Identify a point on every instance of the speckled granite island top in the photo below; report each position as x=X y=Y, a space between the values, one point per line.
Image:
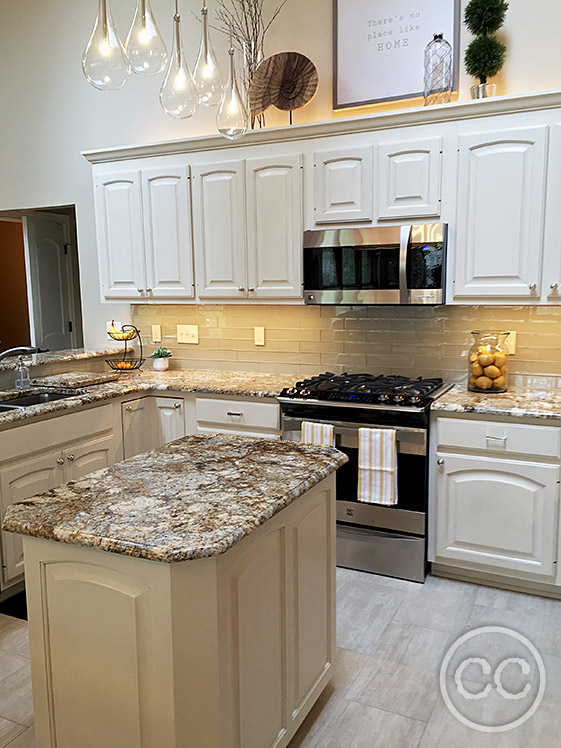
x=518 y=402
x=193 y=498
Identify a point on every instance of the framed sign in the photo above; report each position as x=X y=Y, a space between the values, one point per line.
x=379 y=47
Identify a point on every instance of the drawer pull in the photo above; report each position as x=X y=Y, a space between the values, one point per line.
x=234 y=415
x=497 y=438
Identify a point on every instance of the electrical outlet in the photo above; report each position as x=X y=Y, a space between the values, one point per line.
x=259 y=335
x=118 y=325
x=156 y=333
x=188 y=334
x=510 y=343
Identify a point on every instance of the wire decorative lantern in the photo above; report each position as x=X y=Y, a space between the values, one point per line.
x=438 y=71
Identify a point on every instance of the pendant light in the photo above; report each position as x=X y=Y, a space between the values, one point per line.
x=145 y=47
x=232 y=119
x=105 y=62
x=178 y=94
x=208 y=78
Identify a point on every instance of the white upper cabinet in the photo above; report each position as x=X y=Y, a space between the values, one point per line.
x=167 y=233
x=342 y=185
x=409 y=178
x=551 y=291
x=144 y=234
x=119 y=234
x=219 y=229
x=500 y=219
x=274 y=226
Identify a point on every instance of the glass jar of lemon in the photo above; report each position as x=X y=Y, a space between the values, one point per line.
x=487 y=363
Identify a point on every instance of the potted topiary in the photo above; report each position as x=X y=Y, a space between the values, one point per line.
x=161 y=356
x=485 y=54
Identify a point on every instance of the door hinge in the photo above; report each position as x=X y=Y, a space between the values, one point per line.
x=70 y=326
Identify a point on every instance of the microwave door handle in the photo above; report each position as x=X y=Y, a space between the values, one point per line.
x=405 y=234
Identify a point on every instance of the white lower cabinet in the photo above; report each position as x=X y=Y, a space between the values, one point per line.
x=237 y=417
x=150 y=422
x=88 y=442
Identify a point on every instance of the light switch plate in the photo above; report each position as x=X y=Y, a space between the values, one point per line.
x=188 y=334
x=259 y=335
x=156 y=333
x=510 y=343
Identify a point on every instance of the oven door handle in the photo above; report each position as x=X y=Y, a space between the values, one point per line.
x=404 y=237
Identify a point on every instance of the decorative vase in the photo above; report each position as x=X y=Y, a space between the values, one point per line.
x=487 y=362
x=438 y=71
x=160 y=364
x=483 y=90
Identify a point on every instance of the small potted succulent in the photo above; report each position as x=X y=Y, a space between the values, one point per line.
x=160 y=358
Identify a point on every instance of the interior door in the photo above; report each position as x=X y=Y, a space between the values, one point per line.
x=20 y=481
x=274 y=226
x=48 y=281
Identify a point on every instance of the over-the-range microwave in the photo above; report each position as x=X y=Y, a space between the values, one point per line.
x=381 y=265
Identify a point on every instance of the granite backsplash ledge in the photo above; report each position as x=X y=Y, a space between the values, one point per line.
x=414 y=341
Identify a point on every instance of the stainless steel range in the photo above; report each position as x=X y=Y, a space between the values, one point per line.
x=387 y=540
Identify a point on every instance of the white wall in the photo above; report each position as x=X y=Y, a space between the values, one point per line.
x=49 y=114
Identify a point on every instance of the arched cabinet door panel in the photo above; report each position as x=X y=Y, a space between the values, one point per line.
x=497 y=513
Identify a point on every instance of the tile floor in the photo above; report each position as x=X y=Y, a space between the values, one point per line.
x=392 y=636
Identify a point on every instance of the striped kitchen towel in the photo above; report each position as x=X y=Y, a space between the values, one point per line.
x=318 y=433
x=377 y=462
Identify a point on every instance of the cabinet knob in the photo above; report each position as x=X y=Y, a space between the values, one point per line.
x=533 y=286
x=60 y=461
x=440 y=461
x=70 y=458
x=241 y=289
x=177 y=406
x=129 y=409
x=148 y=290
x=251 y=289
x=554 y=286
x=140 y=290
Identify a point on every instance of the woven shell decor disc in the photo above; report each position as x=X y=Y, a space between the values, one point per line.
x=287 y=80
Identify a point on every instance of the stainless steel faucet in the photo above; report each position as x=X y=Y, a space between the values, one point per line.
x=22 y=381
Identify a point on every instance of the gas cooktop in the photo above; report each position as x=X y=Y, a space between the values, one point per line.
x=366 y=389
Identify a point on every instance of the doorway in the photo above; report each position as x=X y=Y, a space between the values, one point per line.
x=40 y=301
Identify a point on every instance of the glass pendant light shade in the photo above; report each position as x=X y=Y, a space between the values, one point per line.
x=145 y=46
x=105 y=62
x=232 y=119
x=208 y=78
x=178 y=94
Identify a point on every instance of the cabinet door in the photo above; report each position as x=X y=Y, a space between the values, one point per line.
x=170 y=419
x=497 y=513
x=501 y=197
x=343 y=185
x=274 y=226
x=21 y=480
x=552 y=254
x=167 y=232
x=119 y=235
x=88 y=455
x=138 y=426
x=409 y=178
x=219 y=230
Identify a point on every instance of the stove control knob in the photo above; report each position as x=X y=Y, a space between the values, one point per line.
x=383 y=398
x=398 y=399
x=305 y=393
x=414 y=400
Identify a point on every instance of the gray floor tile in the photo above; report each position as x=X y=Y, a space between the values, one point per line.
x=16 y=701
x=13 y=636
x=8 y=732
x=25 y=740
x=439 y=604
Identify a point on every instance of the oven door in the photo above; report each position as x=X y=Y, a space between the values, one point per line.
x=409 y=514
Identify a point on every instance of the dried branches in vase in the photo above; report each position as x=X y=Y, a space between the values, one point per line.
x=245 y=21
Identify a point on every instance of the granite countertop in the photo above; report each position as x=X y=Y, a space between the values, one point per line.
x=53 y=357
x=193 y=498
x=232 y=383
x=517 y=402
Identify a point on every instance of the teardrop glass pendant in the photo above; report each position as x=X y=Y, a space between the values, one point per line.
x=178 y=94
x=232 y=119
x=145 y=46
x=207 y=75
x=105 y=62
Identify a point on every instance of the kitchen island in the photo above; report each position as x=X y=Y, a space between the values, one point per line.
x=183 y=598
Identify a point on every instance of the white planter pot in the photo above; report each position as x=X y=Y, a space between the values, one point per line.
x=160 y=364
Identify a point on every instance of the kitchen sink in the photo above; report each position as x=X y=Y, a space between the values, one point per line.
x=36 y=398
